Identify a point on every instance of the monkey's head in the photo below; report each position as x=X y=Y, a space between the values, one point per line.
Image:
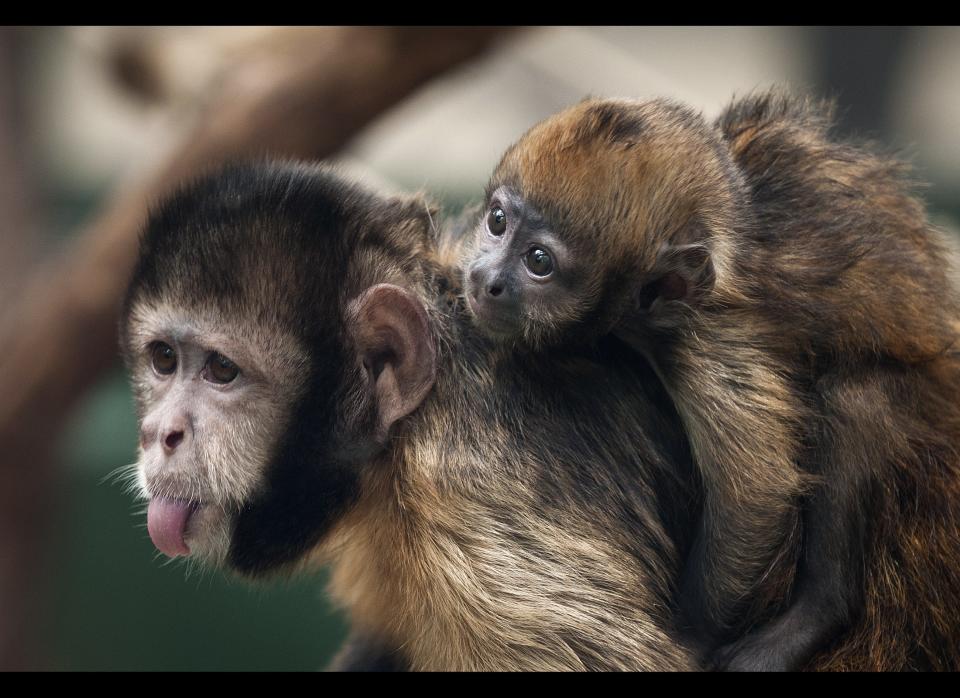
x=272 y=346
x=607 y=205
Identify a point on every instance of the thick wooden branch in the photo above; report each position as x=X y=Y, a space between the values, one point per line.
x=303 y=97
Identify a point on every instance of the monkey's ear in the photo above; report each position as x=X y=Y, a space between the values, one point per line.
x=392 y=337
x=682 y=272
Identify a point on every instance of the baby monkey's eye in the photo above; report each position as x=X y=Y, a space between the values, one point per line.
x=497 y=221
x=164 y=358
x=220 y=369
x=539 y=262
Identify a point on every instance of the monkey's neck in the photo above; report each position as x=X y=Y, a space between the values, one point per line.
x=468 y=566
x=444 y=578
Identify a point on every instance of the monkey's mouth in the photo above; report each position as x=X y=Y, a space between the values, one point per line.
x=490 y=321
x=167 y=521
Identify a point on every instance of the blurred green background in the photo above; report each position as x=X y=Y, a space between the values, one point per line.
x=112 y=602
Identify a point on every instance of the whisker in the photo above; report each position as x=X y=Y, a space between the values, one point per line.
x=123 y=472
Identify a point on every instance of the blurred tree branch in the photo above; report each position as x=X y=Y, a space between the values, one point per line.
x=304 y=96
x=17 y=196
x=17 y=250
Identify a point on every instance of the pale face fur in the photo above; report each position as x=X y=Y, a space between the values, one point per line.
x=230 y=429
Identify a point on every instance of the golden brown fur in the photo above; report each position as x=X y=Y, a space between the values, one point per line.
x=868 y=272
x=454 y=558
x=827 y=282
x=475 y=546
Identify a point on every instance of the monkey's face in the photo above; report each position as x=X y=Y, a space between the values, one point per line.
x=214 y=396
x=523 y=283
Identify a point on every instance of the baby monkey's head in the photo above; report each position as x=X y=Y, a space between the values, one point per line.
x=606 y=206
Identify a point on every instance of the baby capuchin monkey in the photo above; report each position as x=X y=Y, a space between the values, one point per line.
x=787 y=289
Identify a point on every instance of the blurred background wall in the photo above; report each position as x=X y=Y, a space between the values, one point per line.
x=84 y=110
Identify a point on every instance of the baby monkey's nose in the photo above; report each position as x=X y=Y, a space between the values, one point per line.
x=480 y=278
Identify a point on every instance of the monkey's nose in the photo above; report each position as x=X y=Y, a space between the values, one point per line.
x=171 y=441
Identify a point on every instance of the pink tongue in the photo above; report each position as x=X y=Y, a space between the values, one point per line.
x=166 y=524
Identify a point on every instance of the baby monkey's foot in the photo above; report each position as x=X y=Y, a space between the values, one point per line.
x=786 y=644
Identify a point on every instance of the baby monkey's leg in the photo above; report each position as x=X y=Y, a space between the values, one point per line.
x=743 y=421
x=858 y=432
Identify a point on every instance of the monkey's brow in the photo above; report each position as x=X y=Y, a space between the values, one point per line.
x=205 y=339
x=507 y=192
x=495 y=185
x=533 y=219
x=519 y=205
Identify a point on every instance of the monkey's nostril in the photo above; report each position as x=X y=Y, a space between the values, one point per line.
x=173 y=440
x=495 y=290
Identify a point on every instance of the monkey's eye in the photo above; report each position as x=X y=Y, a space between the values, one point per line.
x=220 y=369
x=164 y=358
x=539 y=261
x=497 y=221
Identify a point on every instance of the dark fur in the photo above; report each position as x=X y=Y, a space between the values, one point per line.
x=827 y=298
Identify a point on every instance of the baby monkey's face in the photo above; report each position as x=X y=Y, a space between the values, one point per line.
x=522 y=282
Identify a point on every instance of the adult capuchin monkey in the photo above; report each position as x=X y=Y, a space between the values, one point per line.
x=310 y=390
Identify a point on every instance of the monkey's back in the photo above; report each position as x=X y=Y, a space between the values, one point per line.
x=841 y=258
x=840 y=252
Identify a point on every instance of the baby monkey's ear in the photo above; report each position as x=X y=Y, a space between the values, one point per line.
x=681 y=273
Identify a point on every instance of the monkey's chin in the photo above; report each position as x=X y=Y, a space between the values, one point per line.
x=208 y=535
